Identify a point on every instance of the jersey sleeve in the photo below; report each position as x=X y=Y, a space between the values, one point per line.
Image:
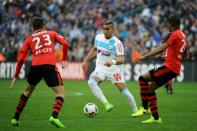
x=60 y=39
x=119 y=49
x=21 y=57
x=171 y=39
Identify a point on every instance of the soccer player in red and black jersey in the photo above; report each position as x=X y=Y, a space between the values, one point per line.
x=175 y=48
x=41 y=43
x=168 y=85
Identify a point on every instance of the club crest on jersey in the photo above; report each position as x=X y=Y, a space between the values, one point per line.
x=104 y=53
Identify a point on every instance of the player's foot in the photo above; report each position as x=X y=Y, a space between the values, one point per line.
x=55 y=122
x=108 y=106
x=167 y=88
x=152 y=120
x=141 y=112
x=170 y=91
x=14 y=122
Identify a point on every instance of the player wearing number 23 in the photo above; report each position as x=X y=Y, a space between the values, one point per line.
x=41 y=43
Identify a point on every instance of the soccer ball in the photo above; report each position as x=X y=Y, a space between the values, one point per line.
x=90 y=109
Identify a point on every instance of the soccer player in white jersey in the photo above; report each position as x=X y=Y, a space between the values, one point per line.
x=109 y=53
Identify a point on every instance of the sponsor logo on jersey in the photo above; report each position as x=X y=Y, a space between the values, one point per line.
x=43 y=51
x=104 y=53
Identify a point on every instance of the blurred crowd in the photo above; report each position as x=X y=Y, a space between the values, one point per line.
x=140 y=24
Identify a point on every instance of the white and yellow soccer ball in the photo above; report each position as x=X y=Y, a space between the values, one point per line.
x=90 y=109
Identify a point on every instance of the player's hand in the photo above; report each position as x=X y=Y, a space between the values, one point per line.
x=64 y=64
x=109 y=63
x=13 y=83
x=163 y=58
x=83 y=65
x=141 y=58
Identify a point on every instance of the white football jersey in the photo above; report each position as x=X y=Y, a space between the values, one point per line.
x=107 y=49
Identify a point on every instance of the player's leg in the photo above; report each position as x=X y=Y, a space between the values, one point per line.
x=156 y=78
x=93 y=84
x=124 y=91
x=59 y=100
x=148 y=96
x=169 y=87
x=144 y=93
x=21 y=103
x=152 y=100
x=53 y=80
x=94 y=79
x=33 y=78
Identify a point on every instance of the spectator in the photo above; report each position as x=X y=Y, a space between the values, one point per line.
x=77 y=19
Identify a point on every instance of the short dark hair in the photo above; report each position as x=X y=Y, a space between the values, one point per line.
x=174 y=21
x=38 y=23
x=109 y=23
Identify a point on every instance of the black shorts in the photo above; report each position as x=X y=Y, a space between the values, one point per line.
x=48 y=72
x=162 y=75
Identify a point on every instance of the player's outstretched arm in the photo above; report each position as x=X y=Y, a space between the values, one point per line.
x=154 y=52
x=18 y=68
x=89 y=57
x=13 y=83
x=22 y=55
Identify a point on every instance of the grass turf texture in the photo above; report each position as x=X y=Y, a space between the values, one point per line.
x=178 y=111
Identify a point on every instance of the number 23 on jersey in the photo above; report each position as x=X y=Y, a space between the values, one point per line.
x=41 y=47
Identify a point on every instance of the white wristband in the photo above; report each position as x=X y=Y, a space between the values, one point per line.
x=114 y=62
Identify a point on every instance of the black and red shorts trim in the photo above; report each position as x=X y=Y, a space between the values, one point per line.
x=48 y=72
x=162 y=75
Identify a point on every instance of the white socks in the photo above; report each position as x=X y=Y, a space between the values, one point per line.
x=93 y=84
x=131 y=99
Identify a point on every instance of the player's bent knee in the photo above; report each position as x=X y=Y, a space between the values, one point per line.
x=60 y=94
x=141 y=78
x=124 y=91
x=28 y=90
x=92 y=82
x=61 y=91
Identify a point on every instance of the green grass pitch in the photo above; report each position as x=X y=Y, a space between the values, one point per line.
x=178 y=111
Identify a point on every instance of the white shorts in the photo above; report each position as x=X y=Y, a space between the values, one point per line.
x=115 y=77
